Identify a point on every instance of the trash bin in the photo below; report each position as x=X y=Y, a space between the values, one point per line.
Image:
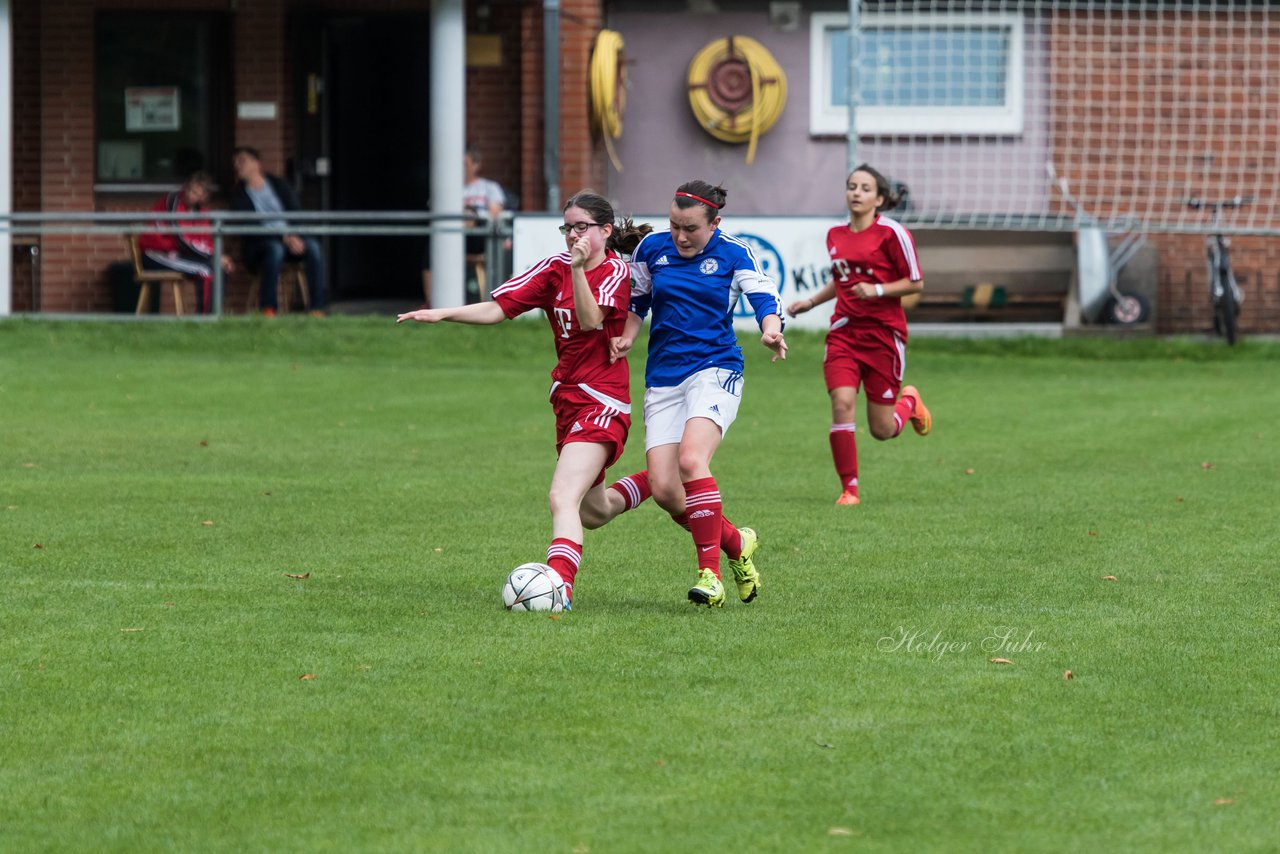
x=124 y=289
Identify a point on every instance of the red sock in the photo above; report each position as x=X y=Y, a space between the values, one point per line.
x=702 y=505
x=565 y=556
x=634 y=489
x=844 y=451
x=730 y=539
x=902 y=412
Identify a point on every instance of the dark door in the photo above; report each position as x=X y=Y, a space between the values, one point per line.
x=364 y=141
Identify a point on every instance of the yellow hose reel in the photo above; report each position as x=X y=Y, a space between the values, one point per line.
x=608 y=90
x=737 y=90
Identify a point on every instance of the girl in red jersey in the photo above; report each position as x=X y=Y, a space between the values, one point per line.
x=585 y=292
x=176 y=248
x=873 y=265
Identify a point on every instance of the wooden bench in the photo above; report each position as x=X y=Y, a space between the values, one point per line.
x=992 y=276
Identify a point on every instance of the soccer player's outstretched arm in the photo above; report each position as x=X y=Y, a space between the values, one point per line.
x=480 y=314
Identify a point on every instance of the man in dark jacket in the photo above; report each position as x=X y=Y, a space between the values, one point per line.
x=264 y=254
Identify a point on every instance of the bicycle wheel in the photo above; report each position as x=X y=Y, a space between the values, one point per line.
x=1224 y=315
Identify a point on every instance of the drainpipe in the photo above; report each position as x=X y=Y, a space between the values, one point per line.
x=855 y=43
x=551 y=96
x=448 y=107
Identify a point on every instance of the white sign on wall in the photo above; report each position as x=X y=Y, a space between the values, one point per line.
x=256 y=110
x=792 y=250
x=152 y=108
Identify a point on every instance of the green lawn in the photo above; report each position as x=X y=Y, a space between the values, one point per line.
x=160 y=482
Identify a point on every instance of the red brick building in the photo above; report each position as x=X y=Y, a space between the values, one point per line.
x=301 y=82
x=335 y=94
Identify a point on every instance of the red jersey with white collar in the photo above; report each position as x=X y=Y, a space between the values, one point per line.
x=583 y=354
x=883 y=252
x=171 y=241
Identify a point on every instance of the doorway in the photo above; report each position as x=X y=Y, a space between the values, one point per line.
x=364 y=141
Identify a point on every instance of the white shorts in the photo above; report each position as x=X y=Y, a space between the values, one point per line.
x=713 y=394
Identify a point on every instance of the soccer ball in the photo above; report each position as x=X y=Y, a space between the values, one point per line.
x=533 y=587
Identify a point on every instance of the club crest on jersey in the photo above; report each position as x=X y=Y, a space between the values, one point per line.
x=708 y=266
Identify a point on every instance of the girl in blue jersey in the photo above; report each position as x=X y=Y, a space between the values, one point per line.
x=691 y=277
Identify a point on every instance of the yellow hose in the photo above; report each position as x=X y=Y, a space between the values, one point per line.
x=736 y=118
x=608 y=90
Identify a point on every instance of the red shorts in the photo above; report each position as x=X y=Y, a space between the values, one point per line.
x=580 y=417
x=870 y=356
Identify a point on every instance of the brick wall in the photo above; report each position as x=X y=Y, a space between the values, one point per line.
x=1105 y=90
x=581 y=160
x=26 y=146
x=54 y=130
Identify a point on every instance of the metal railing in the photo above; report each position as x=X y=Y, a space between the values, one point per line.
x=223 y=224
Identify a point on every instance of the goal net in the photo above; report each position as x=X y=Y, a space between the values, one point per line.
x=988 y=111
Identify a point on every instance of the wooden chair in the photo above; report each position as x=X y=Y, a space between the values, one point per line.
x=145 y=278
x=292 y=276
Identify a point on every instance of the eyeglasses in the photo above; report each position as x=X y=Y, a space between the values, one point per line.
x=577 y=227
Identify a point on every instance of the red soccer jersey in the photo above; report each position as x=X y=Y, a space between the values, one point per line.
x=168 y=241
x=583 y=354
x=884 y=252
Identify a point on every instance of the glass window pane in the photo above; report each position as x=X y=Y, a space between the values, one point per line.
x=924 y=66
x=160 y=100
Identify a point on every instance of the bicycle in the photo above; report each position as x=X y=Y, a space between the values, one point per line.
x=1224 y=293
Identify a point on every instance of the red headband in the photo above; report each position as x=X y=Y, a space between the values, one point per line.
x=709 y=204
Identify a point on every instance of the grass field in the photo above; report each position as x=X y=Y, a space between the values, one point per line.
x=166 y=685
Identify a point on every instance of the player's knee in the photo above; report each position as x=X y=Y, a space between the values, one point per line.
x=670 y=497
x=593 y=514
x=691 y=462
x=882 y=431
x=560 y=499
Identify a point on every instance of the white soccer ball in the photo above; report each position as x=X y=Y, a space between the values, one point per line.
x=533 y=587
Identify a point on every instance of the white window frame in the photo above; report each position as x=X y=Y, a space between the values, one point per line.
x=826 y=119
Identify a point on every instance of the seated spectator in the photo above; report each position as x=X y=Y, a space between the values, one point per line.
x=482 y=197
x=265 y=254
x=177 y=248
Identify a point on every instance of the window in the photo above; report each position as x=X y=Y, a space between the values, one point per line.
x=162 y=95
x=918 y=74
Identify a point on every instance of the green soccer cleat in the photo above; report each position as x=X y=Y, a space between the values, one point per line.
x=744 y=568
x=708 y=591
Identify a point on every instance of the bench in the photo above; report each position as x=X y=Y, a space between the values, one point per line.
x=992 y=276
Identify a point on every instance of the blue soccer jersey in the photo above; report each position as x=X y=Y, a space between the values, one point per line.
x=692 y=300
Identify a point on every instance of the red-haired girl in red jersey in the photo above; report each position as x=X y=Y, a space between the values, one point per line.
x=585 y=292
x=873 y=265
